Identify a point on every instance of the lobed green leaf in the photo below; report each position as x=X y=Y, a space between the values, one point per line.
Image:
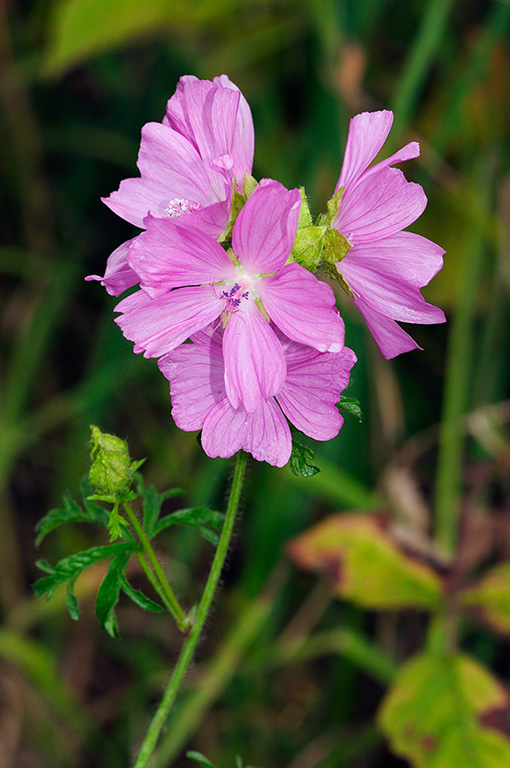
x=300 y=459
x=71 y=512
x=139 y=598
x=109 y=593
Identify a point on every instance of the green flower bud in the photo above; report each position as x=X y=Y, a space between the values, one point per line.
x=112 y=470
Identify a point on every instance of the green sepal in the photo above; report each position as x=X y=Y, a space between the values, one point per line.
x=334 y=204
x=249 y=185
x=336 y=246
x=305 y=217
x=307 y=248
x=300 y=459
x=350 y=405
x=332 y=271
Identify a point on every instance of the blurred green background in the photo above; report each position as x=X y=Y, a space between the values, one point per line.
x=79 y=78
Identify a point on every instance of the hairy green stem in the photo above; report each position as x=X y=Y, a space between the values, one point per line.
x=190 y=644
x=170 y=599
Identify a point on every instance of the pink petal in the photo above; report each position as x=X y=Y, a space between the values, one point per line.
x=224 y=430
x=405 y=256
x=159 y=325
x=372 y=277
x=313 y=386
x=169 y=255
x=211 y=112
x=378 y=206
x=176 y=113
x=391 y=339
x=303 y=308
x=254 y=361
x=195 y=373
x=118 y=276
x=367 y=133
x=409 y=152
x=264 y=231
x=243 y=140
x=268 y=435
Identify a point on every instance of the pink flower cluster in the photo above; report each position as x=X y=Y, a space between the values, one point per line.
x=247 y=337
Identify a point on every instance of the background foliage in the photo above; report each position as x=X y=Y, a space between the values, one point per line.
x=290 y=672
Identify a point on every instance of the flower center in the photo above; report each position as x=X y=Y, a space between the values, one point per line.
x=234 y=297
x=179 y=206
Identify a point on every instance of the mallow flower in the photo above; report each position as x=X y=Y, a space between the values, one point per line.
x=384 y=267
x=189 y=165
x=307 y=397
x=188 y=281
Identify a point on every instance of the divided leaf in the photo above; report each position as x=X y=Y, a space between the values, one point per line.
x=69 y=568
x=300 y=460
x=139 y=598
x=365 y=565
x=201 y=518
x=70 y=512
x=432 y=714
x=351 y=406
x=492 y=596
x=109 y=593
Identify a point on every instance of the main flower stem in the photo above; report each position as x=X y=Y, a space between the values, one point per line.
x=170 y=599
x=190 y=644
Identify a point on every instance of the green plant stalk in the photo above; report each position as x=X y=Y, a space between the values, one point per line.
x=190 y=644
x=153 y=580
x=458 y=378
x=219 y=672
x=171 y=601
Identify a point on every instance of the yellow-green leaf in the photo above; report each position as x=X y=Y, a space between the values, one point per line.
x=431 y=715
x=492 y=596
x=365 y=565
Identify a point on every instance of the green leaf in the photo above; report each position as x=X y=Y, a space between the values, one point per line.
x=351 y=406
x=300 y=459
x=152 y=501
x=199 y=758
x=432 y=714
x=139 y=598
x=71 y=601
x=492 y=596
x=365 y=565
x=201 y=518
x=79 y=29
x=109 y=592
x=69 y=568
x=71 y=512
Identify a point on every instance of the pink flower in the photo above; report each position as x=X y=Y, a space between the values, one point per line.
x=246 y=287
x=385 y=267
x=307 y=397
x=188 y=164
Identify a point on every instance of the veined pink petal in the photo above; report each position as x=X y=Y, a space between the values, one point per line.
x=159 y=325
x=118 y=276
x=391 y=339
x=254 y=361
x=385 y=292
x=378 y=206
x=201 y=366
x=169 y=255
x=267 y=435
x=176 y=112
x=367 y=133
x=405 y=256
x=409 y=152
x=212 y=113
x=264 y=231
x=224 y=430
x=303 y=308
x=243 y=141
x=313 y=386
